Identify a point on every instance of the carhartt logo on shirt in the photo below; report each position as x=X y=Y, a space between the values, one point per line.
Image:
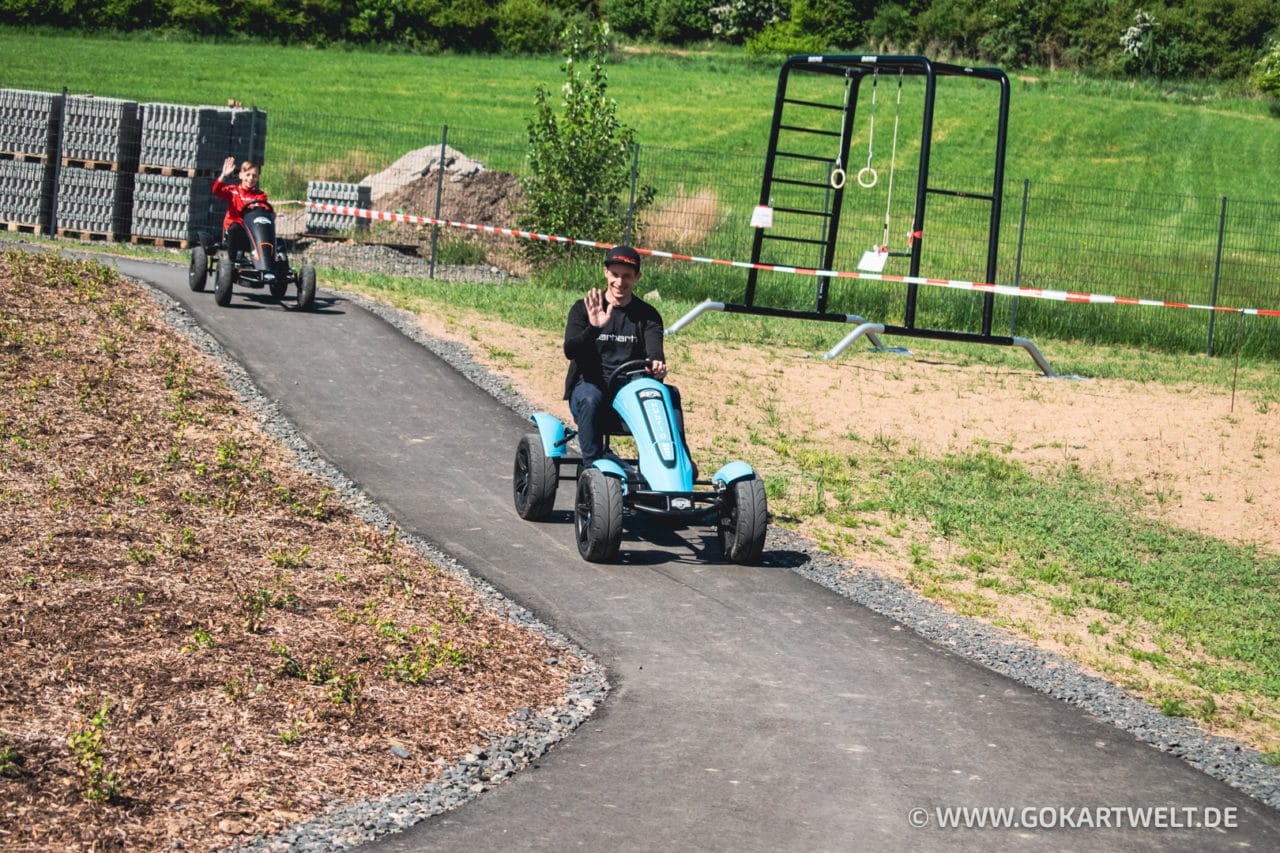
x=621 y=339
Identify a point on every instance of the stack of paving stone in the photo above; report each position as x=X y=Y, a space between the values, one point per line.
x=342 y=195
x=175 y=209
x=99 y=143
x=28 y=143
x=182 y=149
x=248 y=134
x=183 y=140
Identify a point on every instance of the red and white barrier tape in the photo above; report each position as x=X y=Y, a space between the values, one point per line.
x=981 y=287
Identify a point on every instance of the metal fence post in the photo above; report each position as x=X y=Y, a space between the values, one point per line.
x=57 y=166
x=1217 y=272
x=435 y=226
x=631 y=205
x=1017 y=264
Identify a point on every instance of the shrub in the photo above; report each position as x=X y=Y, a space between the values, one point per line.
x=630 y=17
x=1266 y=72
x=784 y=39
x=736 y=20
x=680 y=21
x=526 y=27
x=891 y=27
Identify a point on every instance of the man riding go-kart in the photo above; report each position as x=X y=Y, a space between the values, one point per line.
x=613 y=341
x=253 y=256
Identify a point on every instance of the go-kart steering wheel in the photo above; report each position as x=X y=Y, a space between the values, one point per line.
x=258 y=204
x=630 y=369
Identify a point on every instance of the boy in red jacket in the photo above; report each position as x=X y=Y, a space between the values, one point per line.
x=237 y=197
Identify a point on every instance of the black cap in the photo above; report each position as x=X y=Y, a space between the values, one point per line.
x=623 y=255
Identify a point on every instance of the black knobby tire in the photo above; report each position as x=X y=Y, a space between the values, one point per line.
x=534 y=479
x=279 y=285
x=307 y=287
x=743 y=521
x=597 y=516
x=199 y=272
x=225 y=277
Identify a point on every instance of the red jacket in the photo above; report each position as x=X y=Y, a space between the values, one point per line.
x=236 y=198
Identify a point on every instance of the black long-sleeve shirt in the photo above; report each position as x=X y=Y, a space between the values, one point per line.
x=634 y=331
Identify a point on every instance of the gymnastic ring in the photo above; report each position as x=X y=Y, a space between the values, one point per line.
x=838 y=177
x=863 y=181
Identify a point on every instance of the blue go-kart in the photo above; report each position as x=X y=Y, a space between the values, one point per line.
x=661 y=482
x=265 y=264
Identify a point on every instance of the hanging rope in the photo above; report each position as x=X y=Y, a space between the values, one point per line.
x=893 y=164
x=867 y=176
x=838 y=175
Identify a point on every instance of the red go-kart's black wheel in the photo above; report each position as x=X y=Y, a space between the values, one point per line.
x=307 y=287
x=225 y=276
x=198 y=274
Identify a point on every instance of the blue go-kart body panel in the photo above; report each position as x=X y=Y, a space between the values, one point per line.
x=644 y=405
x=553 y=434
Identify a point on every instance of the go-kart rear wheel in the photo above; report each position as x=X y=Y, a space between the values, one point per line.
x=307 y=287
x=597 y=516
x=198 y=274
x=534 y=480
x=225 y=276
x=743 y=521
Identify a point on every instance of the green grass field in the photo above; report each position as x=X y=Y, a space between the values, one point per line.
x=1062 y=128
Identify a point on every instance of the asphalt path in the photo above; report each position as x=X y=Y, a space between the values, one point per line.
x=750 y=709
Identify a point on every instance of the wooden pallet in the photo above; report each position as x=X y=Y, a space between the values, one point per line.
x=161 y=242
x=90 y=236
x=175 y=171
x=23 y=157
x=24 y=227
x=92 y=165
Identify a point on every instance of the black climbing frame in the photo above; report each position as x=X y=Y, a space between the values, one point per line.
x=812 y=205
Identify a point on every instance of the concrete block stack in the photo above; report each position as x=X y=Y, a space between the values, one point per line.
x=344 y=195
x=100 y=133
x=175 y=209
x=182 y=149
x=28 y=145
x=183 y=140
x=94 y=204
x=248 y=134
x=99 y=143
x=105 y=168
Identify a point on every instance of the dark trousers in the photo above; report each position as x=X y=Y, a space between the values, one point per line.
x=592 y=407
x=236 y=239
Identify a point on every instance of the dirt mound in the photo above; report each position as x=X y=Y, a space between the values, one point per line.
x=480 y=198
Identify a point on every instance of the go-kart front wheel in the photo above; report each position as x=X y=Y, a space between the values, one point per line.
x=307 y=287
x=597 y=516
x=225 y=276
x=534 y=480
x=279 y=285
x=743 y=521
x=199 y=272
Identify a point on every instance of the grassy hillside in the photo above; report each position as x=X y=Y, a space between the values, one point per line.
x=1063 y=128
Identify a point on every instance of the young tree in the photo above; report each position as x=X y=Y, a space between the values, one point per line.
x=579 y=178
x=1266 y=72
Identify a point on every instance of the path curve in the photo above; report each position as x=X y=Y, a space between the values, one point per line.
x=751 y=709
